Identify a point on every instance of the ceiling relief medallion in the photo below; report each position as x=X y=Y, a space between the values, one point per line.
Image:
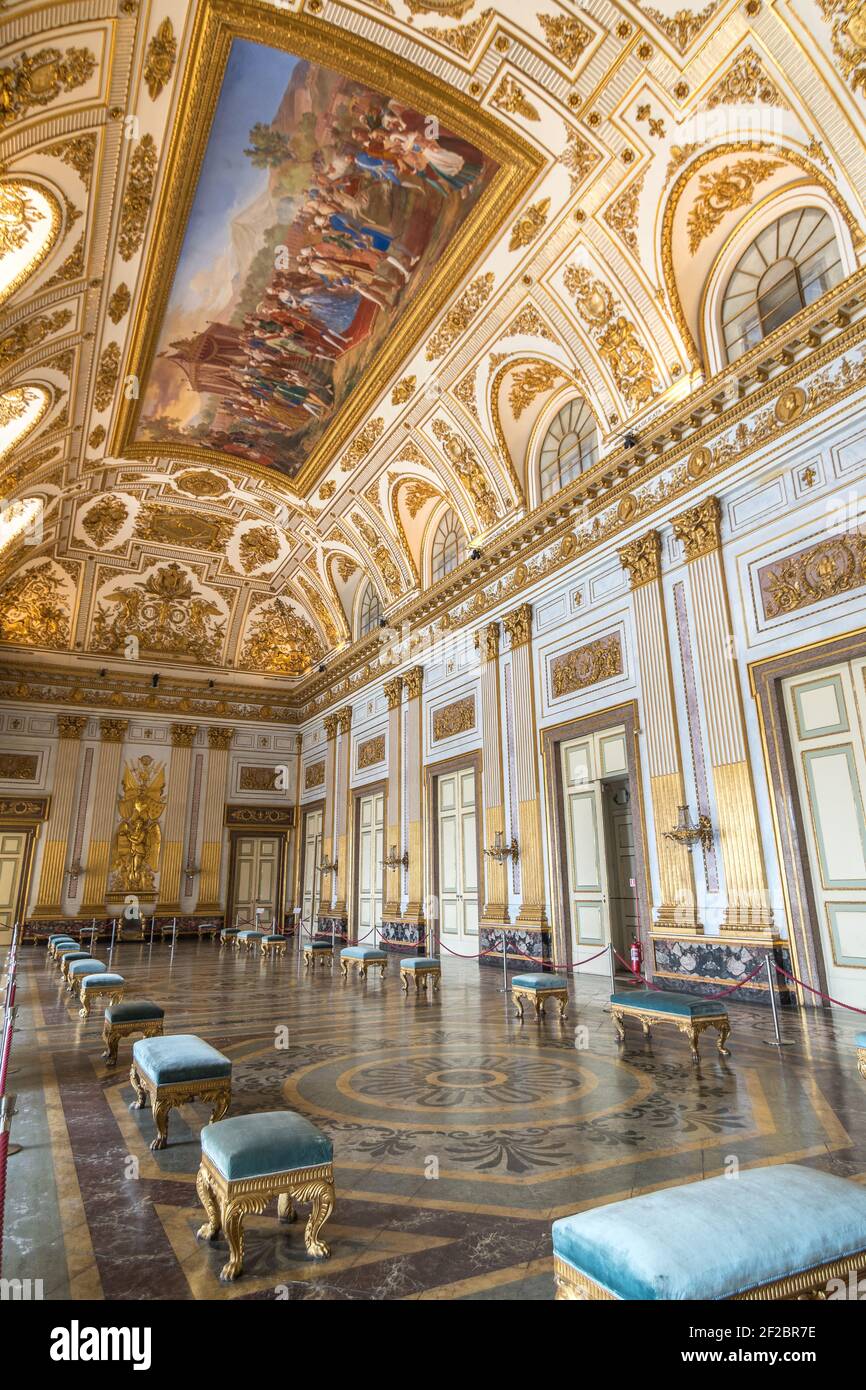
x=380 y=555
x=36 y=608
x=201 y=483
x=745 y=83
x=40 y=78
x=137 y=197
x=72 y=268
x=848 y=18
x=403 y=391
x=107 y=376
x=614 y=335
x=320 y=610
x=161 y=55
x=361 y=445
x=280 y=641
x=528 y=226
x=167 y=612
x=470 y=472
x=78 y=153
x=511 y=98
x=189 y=530
x=118 y=304
x=31 y=334
x=622 y=215
x=103 y=520
x=326 y=226
x=722 y=191
x=458 y=319
x=579 y=157
x=566 y=37
x=258 y=547
x=529 y=323
x=683 y=27
x=463 y=37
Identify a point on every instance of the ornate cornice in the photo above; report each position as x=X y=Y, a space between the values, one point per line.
x=699 y=528
x=518 y=625
x=642 y=559
x=71 y=726
x=113 y=730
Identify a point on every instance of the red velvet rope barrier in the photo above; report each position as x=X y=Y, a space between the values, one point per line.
x=721 y=995
x=830 y=1000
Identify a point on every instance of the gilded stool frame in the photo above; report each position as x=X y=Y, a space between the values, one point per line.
x=520 y=993
x=861 y=1061
x=114 y=994
x=363 y=966
x=323 y=953
x=215 y=1091
x=227 y=1203
x=806 y=1284
x=113 y=1032
x=278 y=947
x=420 y=974
x=692 y=1027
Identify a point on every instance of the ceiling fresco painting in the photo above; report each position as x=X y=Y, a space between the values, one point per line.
x=321 y=208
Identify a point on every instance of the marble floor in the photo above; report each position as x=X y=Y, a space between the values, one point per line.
x=459 y=1132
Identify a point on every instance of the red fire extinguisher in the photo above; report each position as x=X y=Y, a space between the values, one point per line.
x=636 y=956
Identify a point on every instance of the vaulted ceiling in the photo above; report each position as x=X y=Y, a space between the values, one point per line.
x=568 y=178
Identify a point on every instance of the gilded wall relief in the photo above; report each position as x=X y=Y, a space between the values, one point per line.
x=167 y=611
x=258 y=547
x=103 y=520
x=36 y=607
x=18 y=767
x=826 y=570
x=257 y=779
x=331 y=204
x=722 y=191
x=848 y=18
x=279 y=641
x=614 y=335
x=189 y=530
x=371 y=752
x=469 y=470
x=37 y=79
x=314 y=775
x=135 y=853
x=453 y=719
x=586 y=665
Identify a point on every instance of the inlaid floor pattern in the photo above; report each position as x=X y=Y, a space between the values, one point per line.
x=459 y=1132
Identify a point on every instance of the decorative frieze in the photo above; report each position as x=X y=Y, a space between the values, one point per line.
x=19 y=767
x=257 y=779
x=371 y=752
x=262 y=817
x=586 y=665
x=826 y=570
x=33 y=808
x=456 y=718
x=314 y=775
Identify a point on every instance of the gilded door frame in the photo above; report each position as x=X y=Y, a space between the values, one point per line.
x=552 y=737
x=307 y=808
x=27 y=814
x=259 y=833
x=798 y=894
x=433 y=771
x=358 y=794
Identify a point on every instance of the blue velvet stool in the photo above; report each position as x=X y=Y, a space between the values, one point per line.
x=321 y=951
x=771 y=1233
x=70 y=954
x=273 y=943
x=688 y=1012
x=95 y=986
x=79 y=968
x=247 y=1160
x=363 y=957
x=124 y=1019
x=229 y=937
x=57 y=944
x=539 y=988
x=249 y=939
x=178 y=1068
x=420 y=969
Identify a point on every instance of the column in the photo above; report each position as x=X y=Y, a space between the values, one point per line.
x=344 y=773
x=175 y=819
x=393 y=837
x=219 y=740
x=495 y=907
x=642 y=560
x=738 y=831
x=414 y=914
x=329 y=790
x=112 y=732
x=294 y=893
x=49 y=897
x=532 y=917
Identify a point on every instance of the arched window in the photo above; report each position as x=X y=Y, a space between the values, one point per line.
x=21 y=409
x=570 y=446
x=370 y=611
x=449 y=546
x=790 y=264
x=29 y=224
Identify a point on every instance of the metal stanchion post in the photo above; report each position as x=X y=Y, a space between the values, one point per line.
x=778 y=1040
x=173 y=937
x=612 y=963
x=504 y=989
x=111 y=943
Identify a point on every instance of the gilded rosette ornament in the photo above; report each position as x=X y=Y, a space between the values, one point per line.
x=135 y=859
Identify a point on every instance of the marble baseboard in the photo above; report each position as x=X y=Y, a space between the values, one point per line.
x=712 y=964
x=328 y=928
x=525 y=951
x=402 y=936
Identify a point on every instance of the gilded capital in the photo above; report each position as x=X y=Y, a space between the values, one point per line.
x=331 y=724
x=71 y=725
x=183 y=735
x=219 y=737
x=487 y=641
x=113 y=730
x=414 y=679
x=344 y=719
x=518 y=625
x=642 y=559
x=698 y=528
x=394 y=692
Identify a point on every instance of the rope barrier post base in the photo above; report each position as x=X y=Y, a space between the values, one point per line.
x=504 y=989
x=778 y=1040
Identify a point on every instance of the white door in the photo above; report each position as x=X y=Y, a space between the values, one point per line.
x=586 y=763
x=458 y=861
x=825 y=713
x=619 y=833
x=13 y=856
x=256 y=878
x=371 y=849
x=312 y=879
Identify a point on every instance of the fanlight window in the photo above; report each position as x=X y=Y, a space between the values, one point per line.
x=371 y=611
x=789 y=264
x=29 y=223
x=449 y=545
x=570 y=446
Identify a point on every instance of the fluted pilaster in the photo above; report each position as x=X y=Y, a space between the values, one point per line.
x=58 y=827
x=219 y=741
x=175 y=820
x=112 y=733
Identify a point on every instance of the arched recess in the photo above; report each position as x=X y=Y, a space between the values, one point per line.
x=542 y=425
x=798 y=197
x=321 y=602
x=415 y=492
x=20 y=519
x=676 y=238
x=367 y=610
x=30 y=222
x=531 y=381
x=22 y=408
x=442 y=510
x=381 y=548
